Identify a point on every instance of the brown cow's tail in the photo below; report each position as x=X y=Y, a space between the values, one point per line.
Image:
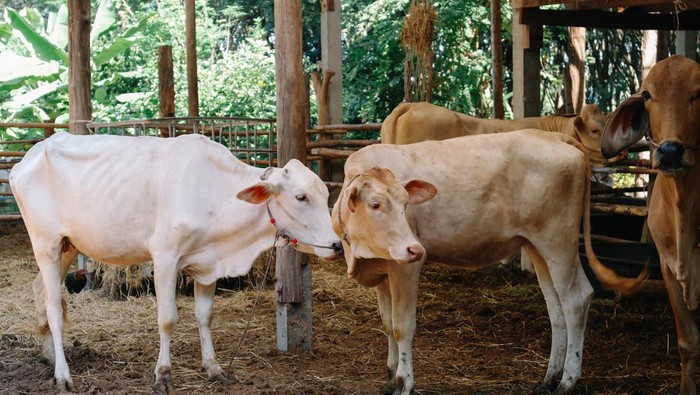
x=608 y=278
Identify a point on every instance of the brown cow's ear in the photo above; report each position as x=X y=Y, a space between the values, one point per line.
x=578 y=124
x=258 y=193
x=626 y=125
x=419 y=191
x=353 y=198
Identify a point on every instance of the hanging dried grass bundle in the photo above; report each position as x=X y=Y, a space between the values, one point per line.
x=416 y=38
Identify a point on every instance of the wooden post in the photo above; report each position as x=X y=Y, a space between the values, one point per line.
x=687 y=44
x=497 y=59
x=166 y=85
x=79 y=78
x=48 y=132
x=527 y=41
x=293 y=273
x=191 y=47
x=321 y=87
x=332 y=60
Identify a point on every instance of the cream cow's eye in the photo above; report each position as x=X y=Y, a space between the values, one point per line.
x=375 y=205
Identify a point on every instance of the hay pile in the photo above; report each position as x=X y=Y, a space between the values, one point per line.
x=478 y=332
x=416 y=38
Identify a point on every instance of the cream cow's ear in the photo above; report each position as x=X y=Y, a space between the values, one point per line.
x=353 y=196
x=419 y=191
x=626 y=125
x=258 y=193
x=579 y=124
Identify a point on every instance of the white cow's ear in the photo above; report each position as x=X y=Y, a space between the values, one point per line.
x=419 y=191
x=258 y=193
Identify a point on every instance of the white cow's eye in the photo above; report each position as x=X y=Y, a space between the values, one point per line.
x=301 y=198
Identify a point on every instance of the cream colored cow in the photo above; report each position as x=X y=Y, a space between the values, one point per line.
x=415 y=122
x=469 y=202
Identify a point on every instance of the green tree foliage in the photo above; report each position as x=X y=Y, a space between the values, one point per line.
x=235 y=53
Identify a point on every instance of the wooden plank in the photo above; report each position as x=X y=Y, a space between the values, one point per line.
x=630 y=19
x=590 y=4
x=33 y=125
x=497 y=59
x=166 y=85
x=350 y=127
x=638 y=211
x=332 y=153
x=12 y=154
x=10 y=217
x=339 y=143
x=79 y=77
x=527 y=41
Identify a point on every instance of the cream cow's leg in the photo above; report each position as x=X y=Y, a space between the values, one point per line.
x=575 y=293
x=557 y=353
x=686 y=329
x=384 y=299
x=165 y=279
x=52 y=267
x=403 y=283
x=203 y=300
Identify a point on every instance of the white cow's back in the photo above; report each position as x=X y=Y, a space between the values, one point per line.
x=112 y=195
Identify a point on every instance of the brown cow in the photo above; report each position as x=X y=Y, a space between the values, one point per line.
x=414 y=122
x=495 y=194
x=667 y=111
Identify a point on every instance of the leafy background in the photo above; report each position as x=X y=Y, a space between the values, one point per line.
x=236 y=59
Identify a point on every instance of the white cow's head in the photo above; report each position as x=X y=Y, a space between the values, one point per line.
x=297 y=199
x=371 y=215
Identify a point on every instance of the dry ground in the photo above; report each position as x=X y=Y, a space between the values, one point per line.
x=483 y=332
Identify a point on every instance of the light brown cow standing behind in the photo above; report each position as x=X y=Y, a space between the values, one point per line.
x=470 y=202
x=414 y=122
x=667 y=110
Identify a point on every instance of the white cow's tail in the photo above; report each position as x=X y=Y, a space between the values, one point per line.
x=608 y=278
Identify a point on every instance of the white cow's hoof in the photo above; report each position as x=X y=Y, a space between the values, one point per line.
x=164 y=385
x=65 y=386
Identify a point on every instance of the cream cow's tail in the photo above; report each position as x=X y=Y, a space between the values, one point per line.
x=388 y=132
x=608 y=278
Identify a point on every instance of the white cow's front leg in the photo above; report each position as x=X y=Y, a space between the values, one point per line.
x=384 y=299
x=403 y=283
x=203 y=300
x=165 y=279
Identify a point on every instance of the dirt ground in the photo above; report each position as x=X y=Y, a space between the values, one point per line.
x=482 y=332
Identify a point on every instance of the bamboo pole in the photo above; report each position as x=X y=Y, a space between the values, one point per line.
x=332 y=153
x=33 y=125
x=339 y=143
x=639 y=211
x=358 y=127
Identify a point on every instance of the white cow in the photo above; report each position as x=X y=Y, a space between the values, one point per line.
x=468 y=202
x=185 y=203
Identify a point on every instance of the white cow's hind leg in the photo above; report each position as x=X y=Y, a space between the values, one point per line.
x=165 y=279
x=52 y=267
x=384 y=299
x=575 y=294
x=556 y=318
x=43 y=331
x=203 y=301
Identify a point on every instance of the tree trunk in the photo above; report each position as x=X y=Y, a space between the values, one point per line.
x=497 y=58
x=575 y=74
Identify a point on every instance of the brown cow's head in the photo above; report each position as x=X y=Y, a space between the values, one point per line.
x=589 y=127
x=667 y=110
x=370 y=216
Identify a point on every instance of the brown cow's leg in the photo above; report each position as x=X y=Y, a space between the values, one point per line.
x=686 y=329
x=403 y=283
x=384 y=299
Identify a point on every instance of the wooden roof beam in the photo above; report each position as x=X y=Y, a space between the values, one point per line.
x=632 y=18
